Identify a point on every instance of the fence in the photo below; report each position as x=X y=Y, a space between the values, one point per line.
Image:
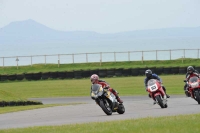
x=100 y=57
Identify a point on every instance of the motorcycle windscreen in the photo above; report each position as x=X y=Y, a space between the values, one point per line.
x=194 y=82
x=193 y=79
x=96 y=88
x=151 y=82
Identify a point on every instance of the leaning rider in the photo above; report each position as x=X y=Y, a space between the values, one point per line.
x=150 y=75
x=190 y=73
x=95 y=80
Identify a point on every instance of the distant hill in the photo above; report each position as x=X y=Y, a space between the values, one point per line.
x=30 y=31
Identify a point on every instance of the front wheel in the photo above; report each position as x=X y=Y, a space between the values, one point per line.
x=160 y=102
x=166 y=105
x=106 y=107
x=197 y=95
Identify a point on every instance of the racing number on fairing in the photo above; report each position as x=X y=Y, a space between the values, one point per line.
x=153 y=87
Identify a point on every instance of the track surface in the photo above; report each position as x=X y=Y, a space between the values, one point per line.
x=135 y=106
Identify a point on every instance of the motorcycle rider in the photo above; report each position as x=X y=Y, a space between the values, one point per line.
x=149 y=75
x=190 y=73
x=95 y=80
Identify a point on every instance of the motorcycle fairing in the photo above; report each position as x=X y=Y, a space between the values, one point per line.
x=194 y=85
x=153 y=88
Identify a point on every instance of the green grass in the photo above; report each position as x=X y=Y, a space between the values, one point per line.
x=85 y=66
x=126 y=86
x=9 y=96
x=168 y=124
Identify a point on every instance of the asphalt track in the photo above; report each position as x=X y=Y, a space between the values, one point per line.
x=136 y=107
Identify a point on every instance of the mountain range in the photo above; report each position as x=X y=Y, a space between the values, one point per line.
x=30 y=31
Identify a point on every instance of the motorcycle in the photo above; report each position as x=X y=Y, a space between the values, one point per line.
x=106 y=100
x=157 y=93
x=194 y=88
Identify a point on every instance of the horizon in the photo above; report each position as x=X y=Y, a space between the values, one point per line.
x=93 y=31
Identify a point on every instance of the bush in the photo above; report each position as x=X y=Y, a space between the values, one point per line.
x=19 y=103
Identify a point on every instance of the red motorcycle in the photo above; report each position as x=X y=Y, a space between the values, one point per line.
x=194 y=88
x=157 y=93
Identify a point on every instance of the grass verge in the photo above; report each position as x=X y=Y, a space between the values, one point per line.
x=168 y=124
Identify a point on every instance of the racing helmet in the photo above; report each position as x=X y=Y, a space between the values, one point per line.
x=190 y=69
x=148 y=73
x=94 y=78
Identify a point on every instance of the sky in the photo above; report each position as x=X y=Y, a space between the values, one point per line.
x=103 y=16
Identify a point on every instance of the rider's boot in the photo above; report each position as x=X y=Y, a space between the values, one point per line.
x=187 y=93
x=168 y=96
x=154 y=102
x=118 y=98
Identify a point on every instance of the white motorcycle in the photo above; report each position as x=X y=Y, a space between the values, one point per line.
x=106 y=100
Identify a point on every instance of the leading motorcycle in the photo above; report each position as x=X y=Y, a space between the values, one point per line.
x=157 y=93
x=106 y=100
x=194 y=88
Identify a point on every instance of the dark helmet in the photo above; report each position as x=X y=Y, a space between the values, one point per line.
x=190 y=69
x=148 y=73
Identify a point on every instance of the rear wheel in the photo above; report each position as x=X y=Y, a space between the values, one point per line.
x=106 y=106
x=121 y=109
x=160 y=102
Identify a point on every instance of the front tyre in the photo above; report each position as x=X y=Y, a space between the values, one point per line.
x=106 y=107
x=166 y=105
x=197 y=95
x=121 y=109
x=160 y=102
